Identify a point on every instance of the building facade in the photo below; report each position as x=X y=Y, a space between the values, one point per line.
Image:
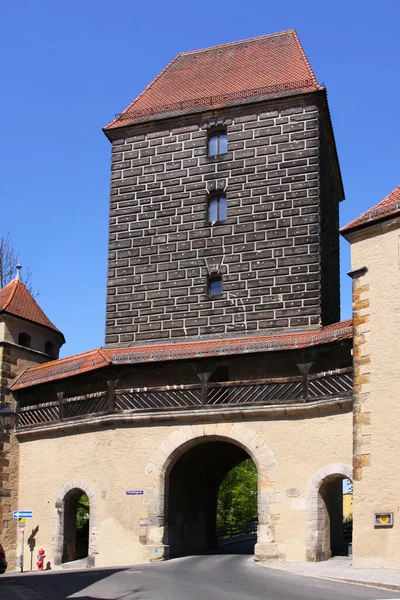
x=375 y=258
x=223 y=333
x=27 y=337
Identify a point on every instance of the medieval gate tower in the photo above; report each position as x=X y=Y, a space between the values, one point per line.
x=223 y=332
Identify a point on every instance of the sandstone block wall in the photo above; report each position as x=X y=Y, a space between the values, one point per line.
x=376 y=291
x=268 y=250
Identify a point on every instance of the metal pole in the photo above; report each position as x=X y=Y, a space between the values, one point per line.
x=21 y=562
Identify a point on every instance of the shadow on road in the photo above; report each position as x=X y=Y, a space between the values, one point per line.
x=57 y=585
x=70 y=584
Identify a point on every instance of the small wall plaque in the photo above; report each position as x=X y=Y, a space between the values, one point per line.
x=292 y=492
x=383 y=520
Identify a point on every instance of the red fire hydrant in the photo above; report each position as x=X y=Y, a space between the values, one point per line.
x=40 y=559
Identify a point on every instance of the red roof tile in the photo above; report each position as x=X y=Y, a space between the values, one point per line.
x=96 y=359
x=388 y=207
x=16 y=300
x=249 y=70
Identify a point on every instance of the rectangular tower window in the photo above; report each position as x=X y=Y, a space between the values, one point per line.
x=215 y=287
x=217 y=143
x=217 y=208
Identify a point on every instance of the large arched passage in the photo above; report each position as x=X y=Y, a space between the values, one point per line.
x=324 y=499
x=192 y=484
x=162 y=461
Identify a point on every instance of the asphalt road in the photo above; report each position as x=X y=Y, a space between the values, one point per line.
x=207 y=577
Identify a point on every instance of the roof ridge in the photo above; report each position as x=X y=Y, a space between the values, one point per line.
x=237 y=42
x=12 y=294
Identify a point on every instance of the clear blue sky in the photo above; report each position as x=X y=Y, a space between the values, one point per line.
x=68 y=67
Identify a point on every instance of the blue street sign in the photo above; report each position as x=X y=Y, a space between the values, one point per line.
x=134 y=492
x=22 y=514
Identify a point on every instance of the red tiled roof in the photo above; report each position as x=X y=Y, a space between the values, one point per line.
x=16 y=300
x=388 y=207
x=249 y=70
x=96 y=359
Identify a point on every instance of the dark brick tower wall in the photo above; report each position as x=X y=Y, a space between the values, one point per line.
x=329 y=238
x=277 y=250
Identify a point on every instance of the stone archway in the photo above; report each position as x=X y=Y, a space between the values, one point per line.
x=317 y=519
x=59 y=520
x=174 y=446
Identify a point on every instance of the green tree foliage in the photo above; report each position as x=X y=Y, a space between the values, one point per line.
x=237 y=496
x=82 y=513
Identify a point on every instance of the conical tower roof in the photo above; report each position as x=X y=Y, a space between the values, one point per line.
x=16 y=300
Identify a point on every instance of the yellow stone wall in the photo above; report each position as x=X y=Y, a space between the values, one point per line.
x=376 y=309
x=111 y=461
x=347 y=506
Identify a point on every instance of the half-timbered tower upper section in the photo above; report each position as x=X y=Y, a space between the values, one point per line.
x=224 y=198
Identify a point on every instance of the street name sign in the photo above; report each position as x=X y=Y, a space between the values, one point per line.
x=134 y=492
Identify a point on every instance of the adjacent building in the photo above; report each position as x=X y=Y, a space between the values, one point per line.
x=27 y=337
x=375 y=262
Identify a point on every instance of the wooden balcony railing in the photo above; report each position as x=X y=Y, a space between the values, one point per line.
x=260 y=392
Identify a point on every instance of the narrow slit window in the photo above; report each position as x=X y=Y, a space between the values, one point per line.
x=217 y=208
x=217 y=143
x=215 y=287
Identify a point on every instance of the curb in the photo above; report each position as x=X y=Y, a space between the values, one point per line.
x=375 y=584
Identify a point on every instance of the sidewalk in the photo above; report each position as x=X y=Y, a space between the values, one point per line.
x=341 y=569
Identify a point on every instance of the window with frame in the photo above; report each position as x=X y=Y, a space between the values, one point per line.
x=217 y=143
x=214 y=286
x=217 y=208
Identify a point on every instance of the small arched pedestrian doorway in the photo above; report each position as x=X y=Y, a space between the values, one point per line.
x=76 y=526
x=75 y=521
x=192 y=485
x=326 y=531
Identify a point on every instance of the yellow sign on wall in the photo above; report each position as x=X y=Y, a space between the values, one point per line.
x=383 y=520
